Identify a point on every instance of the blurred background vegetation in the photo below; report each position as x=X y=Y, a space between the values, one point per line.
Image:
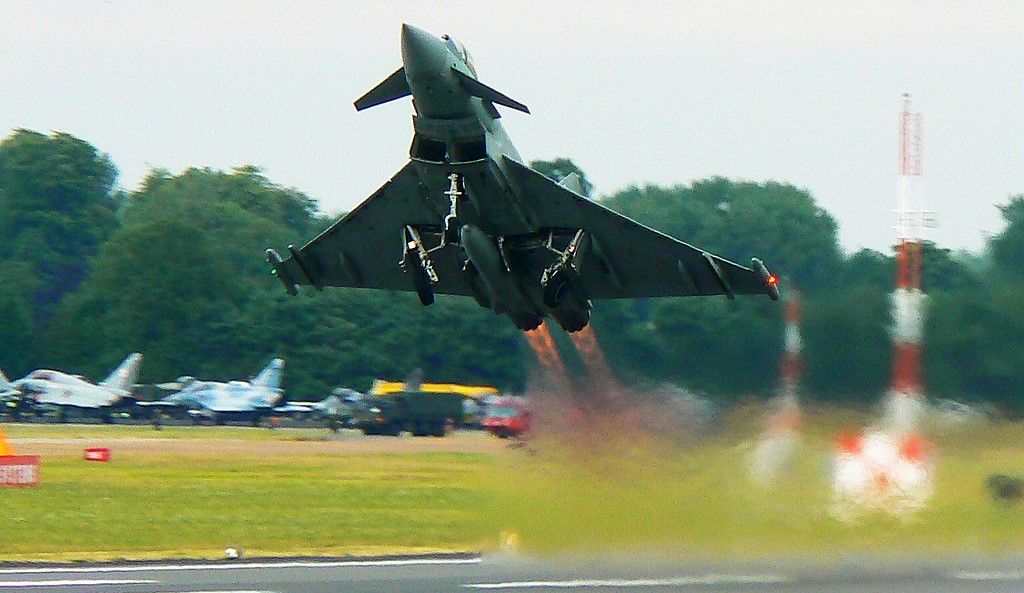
x=174 y=269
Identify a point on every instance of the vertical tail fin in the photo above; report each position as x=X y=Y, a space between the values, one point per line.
x=414 y=381
x=271 y=375
x=5 y=385
x=125 y=375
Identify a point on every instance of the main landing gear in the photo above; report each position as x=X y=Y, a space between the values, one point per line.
x=416 y=259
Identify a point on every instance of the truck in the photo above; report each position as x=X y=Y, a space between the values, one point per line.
x=427 y=409
x=422 y=413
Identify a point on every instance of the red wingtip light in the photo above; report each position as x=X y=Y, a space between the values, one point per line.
x=772 y=280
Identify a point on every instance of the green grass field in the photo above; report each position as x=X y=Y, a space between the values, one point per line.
x=159 y=503
x=155 y=502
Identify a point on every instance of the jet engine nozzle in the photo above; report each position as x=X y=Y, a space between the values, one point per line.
x=563 y=295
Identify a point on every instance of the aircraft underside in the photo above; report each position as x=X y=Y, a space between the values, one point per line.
x=526 y=276
x=476 y=221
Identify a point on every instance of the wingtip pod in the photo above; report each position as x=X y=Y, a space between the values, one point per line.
x=771 y=281
x=282 y=274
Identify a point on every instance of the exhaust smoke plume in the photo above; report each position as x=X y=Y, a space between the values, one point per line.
x=593 y=357
x=594 y=409
x=544 y=348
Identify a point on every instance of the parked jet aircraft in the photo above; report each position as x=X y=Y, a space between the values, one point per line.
x=466 y=217
x=44 y=387
x=238 y=400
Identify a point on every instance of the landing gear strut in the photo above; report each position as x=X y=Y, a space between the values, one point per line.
x=416 y=258
x=556 y=279
x=452 y=226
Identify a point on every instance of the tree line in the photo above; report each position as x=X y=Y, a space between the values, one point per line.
x=174 y=269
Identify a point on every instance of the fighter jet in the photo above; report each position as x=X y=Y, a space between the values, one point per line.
x=234 y=400
x=48 y=388
x=465 y=216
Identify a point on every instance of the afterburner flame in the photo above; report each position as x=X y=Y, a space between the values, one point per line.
x=544 y=348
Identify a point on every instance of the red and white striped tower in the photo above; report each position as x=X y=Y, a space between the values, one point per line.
x=776 y=448
x=906 y=393
x=792 y=356
x=787 y=414
x=890 y=467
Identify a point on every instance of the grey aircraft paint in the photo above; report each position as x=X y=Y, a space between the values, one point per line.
x=466 y=217
x=220 y=401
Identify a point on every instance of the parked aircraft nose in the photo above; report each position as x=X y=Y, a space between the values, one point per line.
x=423 y=54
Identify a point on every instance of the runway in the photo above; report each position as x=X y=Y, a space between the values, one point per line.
x=467 y=574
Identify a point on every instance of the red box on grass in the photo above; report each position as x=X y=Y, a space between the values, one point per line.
x=97 y=454
x=19 y=470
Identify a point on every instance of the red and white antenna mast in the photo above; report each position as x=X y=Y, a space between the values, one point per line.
x=908 y=299
x=909 y=211
x=792 y=365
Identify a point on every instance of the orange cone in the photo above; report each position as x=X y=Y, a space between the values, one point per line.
x=5 y=447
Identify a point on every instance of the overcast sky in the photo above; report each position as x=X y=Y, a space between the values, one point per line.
x=635 y=92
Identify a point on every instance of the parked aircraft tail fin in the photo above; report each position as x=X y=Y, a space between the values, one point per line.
x=414 y=380
x=5 y=385
x=393 y=87
x=573 y=183
x=125 y=375
x=270 y=376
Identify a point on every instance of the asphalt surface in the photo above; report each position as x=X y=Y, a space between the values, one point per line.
x=469 y=573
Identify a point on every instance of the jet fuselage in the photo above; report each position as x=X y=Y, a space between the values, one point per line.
x=456 y=133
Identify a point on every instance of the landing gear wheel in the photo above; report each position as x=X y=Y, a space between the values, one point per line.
x=452 y=230
x=420 y=280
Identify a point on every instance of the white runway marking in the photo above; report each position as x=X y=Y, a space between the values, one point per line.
x=239 y=566
x=711 y=579
x=989 y=576
x=73 y=583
